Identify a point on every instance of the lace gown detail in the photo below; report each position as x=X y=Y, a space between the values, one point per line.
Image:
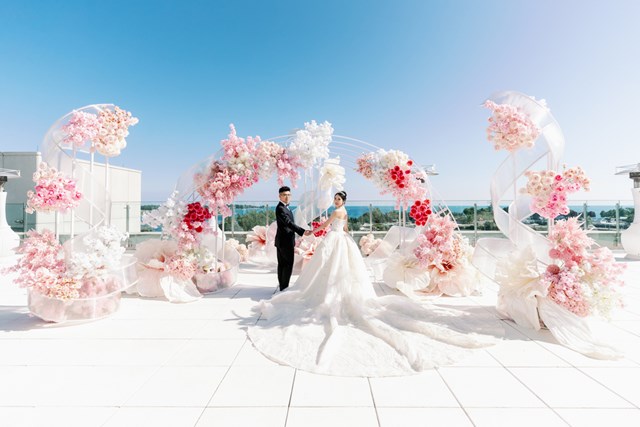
x=332 y=322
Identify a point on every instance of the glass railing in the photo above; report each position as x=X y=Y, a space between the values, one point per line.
x=603 y=220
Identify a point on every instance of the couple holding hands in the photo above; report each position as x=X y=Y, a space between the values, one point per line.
x=332 y=321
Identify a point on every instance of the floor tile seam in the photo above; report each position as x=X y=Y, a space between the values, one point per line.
x=581 y=370
x=331 y=406
x=509 y=370
x=615 y=408
x=455 y=397
x=539 y=344
x=45 y=406
x=636 y=334
x=221 y=381
x=552 y=408
x=120 y=339
x=373 y=401
x=150 y=365
x=142 y=384
x=419 y=407
x=293 y=383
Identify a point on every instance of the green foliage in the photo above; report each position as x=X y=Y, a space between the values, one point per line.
x=624 y=213
x=248 y=220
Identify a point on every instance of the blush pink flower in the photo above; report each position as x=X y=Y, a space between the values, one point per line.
x=54 y=192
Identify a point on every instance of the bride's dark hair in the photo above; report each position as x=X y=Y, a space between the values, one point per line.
x=343 y=195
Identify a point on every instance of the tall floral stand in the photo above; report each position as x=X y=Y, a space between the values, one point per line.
x=9 y=239
x=631 y=236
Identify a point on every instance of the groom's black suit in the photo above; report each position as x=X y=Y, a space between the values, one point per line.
x=285 y=242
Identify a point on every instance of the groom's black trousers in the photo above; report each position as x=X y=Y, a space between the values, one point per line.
x=285 y=265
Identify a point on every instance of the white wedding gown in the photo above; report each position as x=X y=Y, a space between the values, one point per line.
x=332 y=322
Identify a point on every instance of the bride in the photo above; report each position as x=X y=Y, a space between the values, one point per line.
x=332 y=322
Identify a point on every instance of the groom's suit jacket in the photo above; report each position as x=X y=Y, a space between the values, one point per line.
x=285 y=236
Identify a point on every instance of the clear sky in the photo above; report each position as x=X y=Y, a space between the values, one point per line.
x=399 y=74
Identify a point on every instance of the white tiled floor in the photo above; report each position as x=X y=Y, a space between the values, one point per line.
x=162 y=364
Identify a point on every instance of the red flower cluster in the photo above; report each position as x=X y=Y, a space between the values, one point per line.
x=420 y=211
x=399 y=176
x=316 y=224
x=196 y=215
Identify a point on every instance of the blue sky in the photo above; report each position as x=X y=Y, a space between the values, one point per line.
x=399 y=74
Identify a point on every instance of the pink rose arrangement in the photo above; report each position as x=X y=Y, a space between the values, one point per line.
x=272 y=157
x=42 y=267
x=368 y=244
x=113 y=129
x=584 y=282
x=549 y=190
x=365 y=165
x=46 y=268
x=53 y=191
x=240 y=155
x=244 y=161
x=81 y=128
x=509 y=128
x=438 y=247
x=420 y=211
x=393 y=173
x=220 y=184
x=446 y=256
x=267 y=155
x=187 y=224
x=287 y=166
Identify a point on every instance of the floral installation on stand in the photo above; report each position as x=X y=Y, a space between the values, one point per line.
x=446 y=256
x=420 y=211
x=586 y=282
x=42 y=267
x=81 y=128
x=311 y=144
x=54 y=192
x=549 y=190
x=61 y=273
x=393 y=173
x=224 y=180
x=186 y=224
x=509 y=128
x=219 y=186
x=368 y=244
x=580 y=282
x=113 y=129
x=287 y=166
x=267 y=154
x=240 y=155
x=170 y=268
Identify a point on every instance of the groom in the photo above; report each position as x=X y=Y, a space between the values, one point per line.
x=285 y=237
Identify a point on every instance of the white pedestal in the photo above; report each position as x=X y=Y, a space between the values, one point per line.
x=9 y=240
x=631 y=236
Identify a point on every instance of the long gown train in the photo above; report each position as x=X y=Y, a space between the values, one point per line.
x=332 y=322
